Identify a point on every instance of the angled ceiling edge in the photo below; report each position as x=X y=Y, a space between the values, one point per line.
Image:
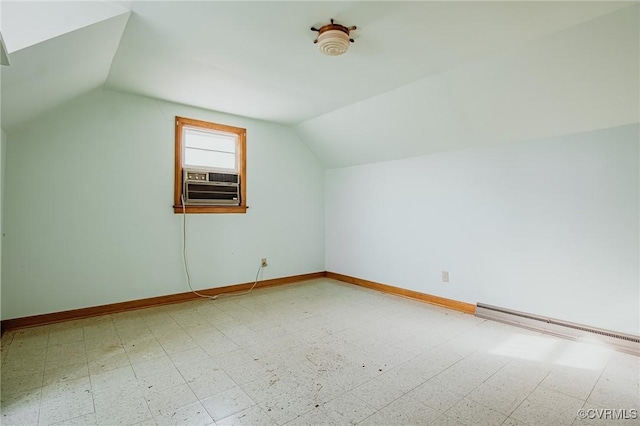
x=25 y=24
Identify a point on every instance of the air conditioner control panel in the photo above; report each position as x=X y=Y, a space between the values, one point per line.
x=197 y=176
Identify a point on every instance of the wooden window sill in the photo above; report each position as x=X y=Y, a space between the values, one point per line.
x=210 y=209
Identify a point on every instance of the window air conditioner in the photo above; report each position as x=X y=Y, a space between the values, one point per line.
x=211 y=188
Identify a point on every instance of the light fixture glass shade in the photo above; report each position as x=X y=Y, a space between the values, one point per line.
x=333 y=42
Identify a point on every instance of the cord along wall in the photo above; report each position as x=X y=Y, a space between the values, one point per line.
x=89 y=218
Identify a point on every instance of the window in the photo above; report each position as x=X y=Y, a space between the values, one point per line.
x=210 y=168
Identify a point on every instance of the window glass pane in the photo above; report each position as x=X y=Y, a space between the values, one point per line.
x=212 y=159
x=214 y=141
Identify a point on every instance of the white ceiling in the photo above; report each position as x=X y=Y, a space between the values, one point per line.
x=581 y=79
x=257 y=59
x=57 y=51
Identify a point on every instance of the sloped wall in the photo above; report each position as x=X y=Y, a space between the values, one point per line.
x=89 y=216
x=581 y=79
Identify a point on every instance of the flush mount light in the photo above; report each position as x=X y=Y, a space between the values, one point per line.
x=333 y=39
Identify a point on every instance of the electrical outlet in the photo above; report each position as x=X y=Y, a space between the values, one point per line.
x=445 y=276
x=264 y=262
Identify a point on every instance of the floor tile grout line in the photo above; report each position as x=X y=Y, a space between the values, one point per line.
x=90 y=381
x=132 y=369
x=199 y=400
x=460 y=357
x=586 y=400
x=529 y=394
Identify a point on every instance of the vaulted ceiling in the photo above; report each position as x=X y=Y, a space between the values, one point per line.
x=421 y=77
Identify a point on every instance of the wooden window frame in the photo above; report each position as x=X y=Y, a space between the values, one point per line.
x=242 y=167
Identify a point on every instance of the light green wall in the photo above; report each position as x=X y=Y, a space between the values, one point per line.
x=3 y=150
x=89 y=217
x=548 y=226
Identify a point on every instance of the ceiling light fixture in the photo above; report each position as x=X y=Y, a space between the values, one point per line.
x=333 y=39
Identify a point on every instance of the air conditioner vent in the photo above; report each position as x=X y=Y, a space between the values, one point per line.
x=223 y=177
x=210 y=189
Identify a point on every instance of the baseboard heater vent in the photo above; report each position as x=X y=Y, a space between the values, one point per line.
x=620 y=341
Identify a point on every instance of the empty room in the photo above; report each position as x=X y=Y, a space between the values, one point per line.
x=320 y=213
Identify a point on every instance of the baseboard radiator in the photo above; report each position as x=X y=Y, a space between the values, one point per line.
x=622 y=342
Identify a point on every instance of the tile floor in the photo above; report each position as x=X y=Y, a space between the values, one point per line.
x=317 y=352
